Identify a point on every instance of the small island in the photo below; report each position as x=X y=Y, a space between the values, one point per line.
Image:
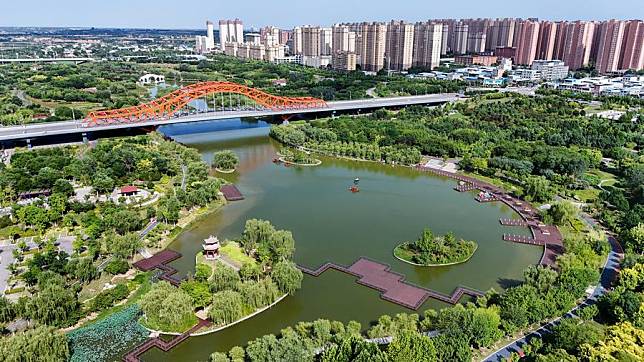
x=298 y=157
x=435 y=250
x=225 y=161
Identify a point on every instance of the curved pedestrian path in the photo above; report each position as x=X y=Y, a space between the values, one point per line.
x=608 y=275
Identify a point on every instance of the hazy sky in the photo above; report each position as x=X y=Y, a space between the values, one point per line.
x=191 y=14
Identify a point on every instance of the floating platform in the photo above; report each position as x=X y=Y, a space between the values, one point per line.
x=231 y=193
x=522 y=239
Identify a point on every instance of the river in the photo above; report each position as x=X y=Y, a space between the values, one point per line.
x=330 y=223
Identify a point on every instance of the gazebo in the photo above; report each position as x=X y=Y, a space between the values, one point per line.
x=211 y=247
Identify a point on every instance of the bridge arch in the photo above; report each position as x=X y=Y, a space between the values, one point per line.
x=173 y=102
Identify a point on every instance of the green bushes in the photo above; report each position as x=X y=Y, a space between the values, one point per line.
x=39 y=344
x=109 y=297
x=436 y=250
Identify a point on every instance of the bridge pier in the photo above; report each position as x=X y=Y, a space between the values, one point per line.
x=28 y=141
x=85 y=138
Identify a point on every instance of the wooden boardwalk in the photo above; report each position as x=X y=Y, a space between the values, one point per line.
x=391 y=285
x=545 y=235
x=135 y=354
x=231 y=193
x=160 y=261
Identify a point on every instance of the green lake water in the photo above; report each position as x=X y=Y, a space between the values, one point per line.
x=330 y=223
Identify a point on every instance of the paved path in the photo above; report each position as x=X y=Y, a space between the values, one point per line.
x=609 y=273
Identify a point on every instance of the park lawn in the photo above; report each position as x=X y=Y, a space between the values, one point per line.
x=236 y=253
x=178 y=328
x=142 y=285
x=587 y=195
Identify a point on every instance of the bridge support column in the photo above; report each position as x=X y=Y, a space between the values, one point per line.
x=28 y=141
x=85 y=138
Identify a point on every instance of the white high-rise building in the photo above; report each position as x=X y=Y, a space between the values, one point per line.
x=326 y=41
x=210 y=35
x=231 y=31
x=201 y=44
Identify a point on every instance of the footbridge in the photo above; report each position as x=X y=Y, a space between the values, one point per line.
x=206 y=101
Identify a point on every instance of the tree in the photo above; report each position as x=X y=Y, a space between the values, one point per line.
x=122 y=246
x=219 y=357
x=353 y=349
x=282 y=245
x=250 y=271
x=41 y=344
x=256 y=232
x=198 y=291
x=168 y=209
x=538 y=189
x=287 y=277
x=54 y=304
x=167 y=308
x=117 y=266
x=225 y=160
x=571 y=333
x=202 y=272
x=223 y=278
x=84 y=270
x=62 y=186
x=7 y=310
x=561 y=213
x=624 y=342
x=452 y=347
x=540 y=277
x=227 y=307
x=411 y=346
x=237 y=354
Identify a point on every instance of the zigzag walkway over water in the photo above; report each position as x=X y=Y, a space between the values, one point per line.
x=392 y=285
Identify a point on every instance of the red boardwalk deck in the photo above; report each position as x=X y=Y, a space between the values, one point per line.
x=231 y=193
x=392 y=285
x=160 y=261
x=541 y=234
x=135 y=354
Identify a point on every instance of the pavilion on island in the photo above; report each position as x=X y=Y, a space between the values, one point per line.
x=211 y=247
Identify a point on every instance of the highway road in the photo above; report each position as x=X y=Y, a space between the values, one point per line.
x=31 y=131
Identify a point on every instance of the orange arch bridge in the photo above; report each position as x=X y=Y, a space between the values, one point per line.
x=171 y=103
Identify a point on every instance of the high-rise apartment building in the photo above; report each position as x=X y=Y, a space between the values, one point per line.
x=296 y=44
x=270 y=36
x=326 y=41
x=231 y=31
x=576 y=42
x=399 y=45
x=444 y=38
x=343 y=38
x=633 y=46
x=546 y=40
x=611 y=35
x=526 y=35
x=372 y=38
x=311 y=41
x=476 y=42
x=460 y=35
x=201 y=44
x=210 y=35
x=505 y=33
x=343 y=60
x=428 y=40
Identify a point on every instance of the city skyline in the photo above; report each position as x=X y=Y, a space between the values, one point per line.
x=153 y=14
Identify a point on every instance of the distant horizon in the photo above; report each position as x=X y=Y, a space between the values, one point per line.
x=192 y=15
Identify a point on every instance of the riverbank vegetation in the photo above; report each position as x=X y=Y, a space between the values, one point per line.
x=73 y=234
x=298 y=157
x=325 y=142
x=434 y=250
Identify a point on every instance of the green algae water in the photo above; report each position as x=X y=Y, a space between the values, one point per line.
x=330 y=223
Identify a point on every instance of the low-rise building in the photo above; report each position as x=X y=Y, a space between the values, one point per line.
x=486 y=60
x=551 y=69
